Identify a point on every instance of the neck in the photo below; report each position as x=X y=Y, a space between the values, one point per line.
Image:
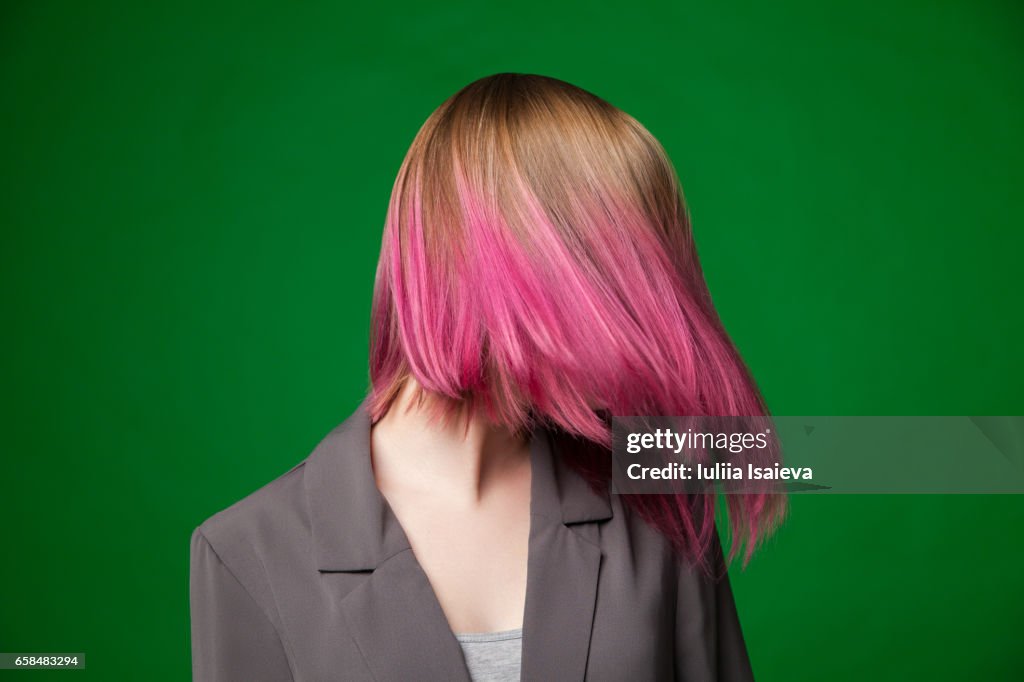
x=463 y=456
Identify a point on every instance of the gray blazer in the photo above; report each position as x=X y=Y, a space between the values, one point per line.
x=312 y=578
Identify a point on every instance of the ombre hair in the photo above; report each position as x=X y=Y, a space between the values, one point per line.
x=538 y=264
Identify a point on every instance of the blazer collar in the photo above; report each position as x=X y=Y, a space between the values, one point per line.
x=353 y=527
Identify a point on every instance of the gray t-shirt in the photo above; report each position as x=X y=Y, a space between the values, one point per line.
x=493 y=656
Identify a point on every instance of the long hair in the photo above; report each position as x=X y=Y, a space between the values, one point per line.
x=537 y=263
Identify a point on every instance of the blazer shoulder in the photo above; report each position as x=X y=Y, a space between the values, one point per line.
x=261 y=520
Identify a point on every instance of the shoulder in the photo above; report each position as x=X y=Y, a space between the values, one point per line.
x=272 y=525
x=253 y=532
x=274 y=508
x=650 y=546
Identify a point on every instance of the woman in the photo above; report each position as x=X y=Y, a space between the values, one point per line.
x=537 y=275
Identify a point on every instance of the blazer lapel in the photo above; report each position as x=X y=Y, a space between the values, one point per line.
x=392 y=613
x=399 y=626
x=563 y=570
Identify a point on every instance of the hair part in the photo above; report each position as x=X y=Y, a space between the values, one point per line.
x=538 y=264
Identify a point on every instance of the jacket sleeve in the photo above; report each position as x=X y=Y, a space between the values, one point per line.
x=232 y=637
x=733 y=660
x=709 y=640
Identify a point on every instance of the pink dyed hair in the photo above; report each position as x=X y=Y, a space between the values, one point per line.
x=538 y=263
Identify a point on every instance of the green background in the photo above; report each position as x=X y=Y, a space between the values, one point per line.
x=193 y=195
